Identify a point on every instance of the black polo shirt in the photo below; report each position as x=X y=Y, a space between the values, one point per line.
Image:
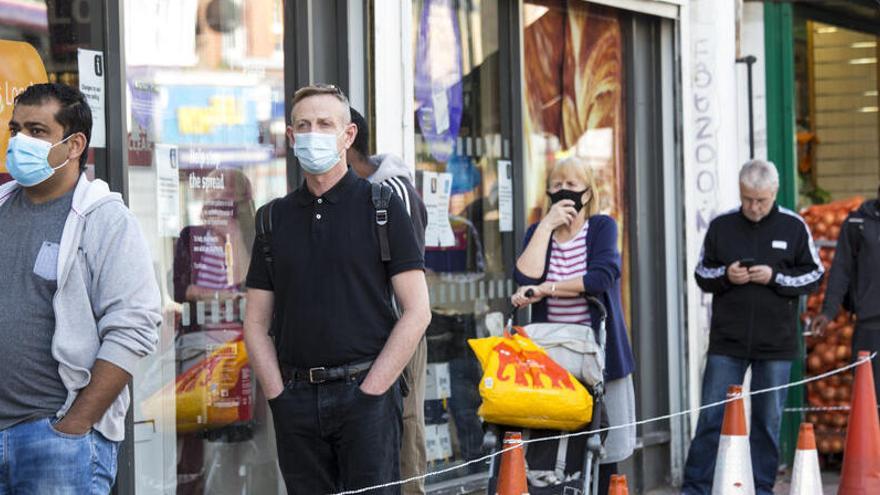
x=332 y=297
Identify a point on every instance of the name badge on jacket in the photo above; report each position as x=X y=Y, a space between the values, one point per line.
x=780 y=245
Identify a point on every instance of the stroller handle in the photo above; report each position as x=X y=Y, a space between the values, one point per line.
x=591 y=300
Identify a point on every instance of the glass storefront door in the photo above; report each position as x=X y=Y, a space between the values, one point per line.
x=463 y=174
x=206 y=148
x=573 y=97
x=573 y=66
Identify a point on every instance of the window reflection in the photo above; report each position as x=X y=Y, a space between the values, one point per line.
x=206 y=148
x=574 y=104
x=458 y=149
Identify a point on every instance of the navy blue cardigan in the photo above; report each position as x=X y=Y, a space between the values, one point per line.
x=602 y=281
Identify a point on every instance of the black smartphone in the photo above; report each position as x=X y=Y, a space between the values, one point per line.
x=747 y=262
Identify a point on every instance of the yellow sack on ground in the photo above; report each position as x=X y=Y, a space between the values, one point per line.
x=522 y=386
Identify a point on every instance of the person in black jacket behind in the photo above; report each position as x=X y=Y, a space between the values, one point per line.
x=853 y=277
x=756 y=261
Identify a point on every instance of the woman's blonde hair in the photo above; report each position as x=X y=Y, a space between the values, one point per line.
x=584 y=173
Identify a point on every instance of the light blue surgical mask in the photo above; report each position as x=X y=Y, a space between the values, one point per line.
x=316 y=151
x=27 y=159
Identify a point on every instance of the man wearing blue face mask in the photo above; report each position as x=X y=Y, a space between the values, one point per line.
x=332 y=373
x=81 y=303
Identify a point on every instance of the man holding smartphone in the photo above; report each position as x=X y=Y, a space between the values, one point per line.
x=756 y=261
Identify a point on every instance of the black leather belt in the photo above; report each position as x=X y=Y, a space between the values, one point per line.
x=322 y=374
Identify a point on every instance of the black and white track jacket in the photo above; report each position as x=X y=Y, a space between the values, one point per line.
x=758 y=321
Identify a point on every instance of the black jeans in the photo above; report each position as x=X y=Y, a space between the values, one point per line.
x=333 y=437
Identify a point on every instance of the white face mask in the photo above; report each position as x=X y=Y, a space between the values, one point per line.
x=316 y=151
x=27 y=159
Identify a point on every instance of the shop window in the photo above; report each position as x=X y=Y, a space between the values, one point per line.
x=574 y=105
x=206 y=148
x=573 y=97
x=838 y=132
x=459 y=153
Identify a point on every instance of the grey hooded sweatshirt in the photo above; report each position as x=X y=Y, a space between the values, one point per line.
x=107 y=302
x=391 y=170
x=856 y=266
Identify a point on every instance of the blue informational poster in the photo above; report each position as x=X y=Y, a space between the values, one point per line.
x=465 y=173
x=438 y=78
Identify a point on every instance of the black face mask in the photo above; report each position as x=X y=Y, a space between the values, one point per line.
x=568 y=194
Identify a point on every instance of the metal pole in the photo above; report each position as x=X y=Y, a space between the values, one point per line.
x=749 y=60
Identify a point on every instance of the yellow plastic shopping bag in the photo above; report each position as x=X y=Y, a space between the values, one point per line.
x=522 y=386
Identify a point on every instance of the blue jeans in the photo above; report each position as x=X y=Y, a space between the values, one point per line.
x=37 y=459
x=721 y=372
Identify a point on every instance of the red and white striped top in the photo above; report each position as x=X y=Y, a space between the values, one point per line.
x=568 y=260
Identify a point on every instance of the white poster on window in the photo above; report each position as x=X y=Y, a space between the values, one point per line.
x=438 y=442
x=91 y=84
x=438 y=385
x=436 y=188
x=505 y=196
x=167 y=190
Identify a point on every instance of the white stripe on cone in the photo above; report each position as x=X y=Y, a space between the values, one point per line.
x=733 y=467
x=805 y=478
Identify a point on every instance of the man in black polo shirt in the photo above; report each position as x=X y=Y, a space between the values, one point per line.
x=334 y=383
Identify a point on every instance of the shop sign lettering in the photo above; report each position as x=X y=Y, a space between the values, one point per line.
x=206 y=182
x=705 y=137
x=705 y=151
x=202 y=158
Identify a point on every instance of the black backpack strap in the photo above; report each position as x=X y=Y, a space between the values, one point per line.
x=264 y=234
x=381 y=196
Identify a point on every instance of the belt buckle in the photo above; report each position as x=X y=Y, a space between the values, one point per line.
x=311 y=376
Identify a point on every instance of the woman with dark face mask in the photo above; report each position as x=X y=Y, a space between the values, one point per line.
x=570 y=252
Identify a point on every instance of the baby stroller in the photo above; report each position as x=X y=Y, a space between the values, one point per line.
x=591 y=354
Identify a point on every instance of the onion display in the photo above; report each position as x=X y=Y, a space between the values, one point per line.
x=832 y=350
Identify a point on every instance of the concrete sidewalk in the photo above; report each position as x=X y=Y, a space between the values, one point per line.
x=830 y=480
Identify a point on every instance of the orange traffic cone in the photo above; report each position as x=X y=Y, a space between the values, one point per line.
x=512 y=473
x=805 y=478
x=733 y=465
x=618 y=485
x=861 y=456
